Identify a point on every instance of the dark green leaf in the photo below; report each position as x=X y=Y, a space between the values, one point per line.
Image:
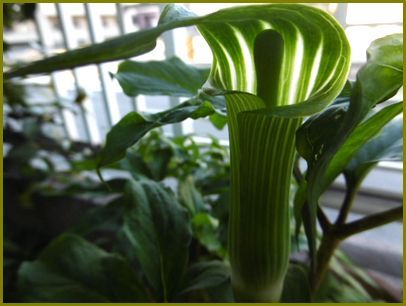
x=222 y=293
x=206 y=274
x=367 y=130
x=382 y=77
x=386 y=146
x=134 y=125
x=296 y=288
x=158 y=230
x=170 y=77
x=71 y=269
x=13 y=256
x=101 y=218
x=125 y=46
x=134 y=163
x=311 y=136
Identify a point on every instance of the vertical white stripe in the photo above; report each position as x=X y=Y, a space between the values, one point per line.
x=314 y=72
x=248 y=57
x=296 y=70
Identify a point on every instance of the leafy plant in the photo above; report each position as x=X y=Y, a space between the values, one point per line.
x=33 y=269
x=347 y=130
x=273 y=65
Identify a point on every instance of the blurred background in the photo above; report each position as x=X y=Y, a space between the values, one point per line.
x=93 y=101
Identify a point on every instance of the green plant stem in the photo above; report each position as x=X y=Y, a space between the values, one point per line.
x=328 y=245
x=323 y=220
x=333 y=236
x=347 y=204
x=369 y=222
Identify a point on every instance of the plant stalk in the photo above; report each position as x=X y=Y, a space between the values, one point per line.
x=328 y=245
x=369 y=222
x=337 y=233
x=347 y=204
x=353 y=184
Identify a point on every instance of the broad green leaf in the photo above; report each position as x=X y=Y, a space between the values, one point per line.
x=157 y=229
x=134 y=163
x=320 y=127
x=385 y=66
x=71 y=269
x=160 y=162
x=312 y=135
x=360 y=136
x=125 y=46
x=150 y=158
x=386 y=146
x=100 y=218
x=170 y=77
x=134 y=126
x=206 y=274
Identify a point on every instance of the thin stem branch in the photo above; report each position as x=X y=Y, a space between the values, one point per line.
x=323 y=220
x=336 y=233
x=369 y=222
x=346 y=206
x=352 y=188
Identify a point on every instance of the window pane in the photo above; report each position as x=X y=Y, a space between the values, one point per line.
x=369 y=13
x=360 y=38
